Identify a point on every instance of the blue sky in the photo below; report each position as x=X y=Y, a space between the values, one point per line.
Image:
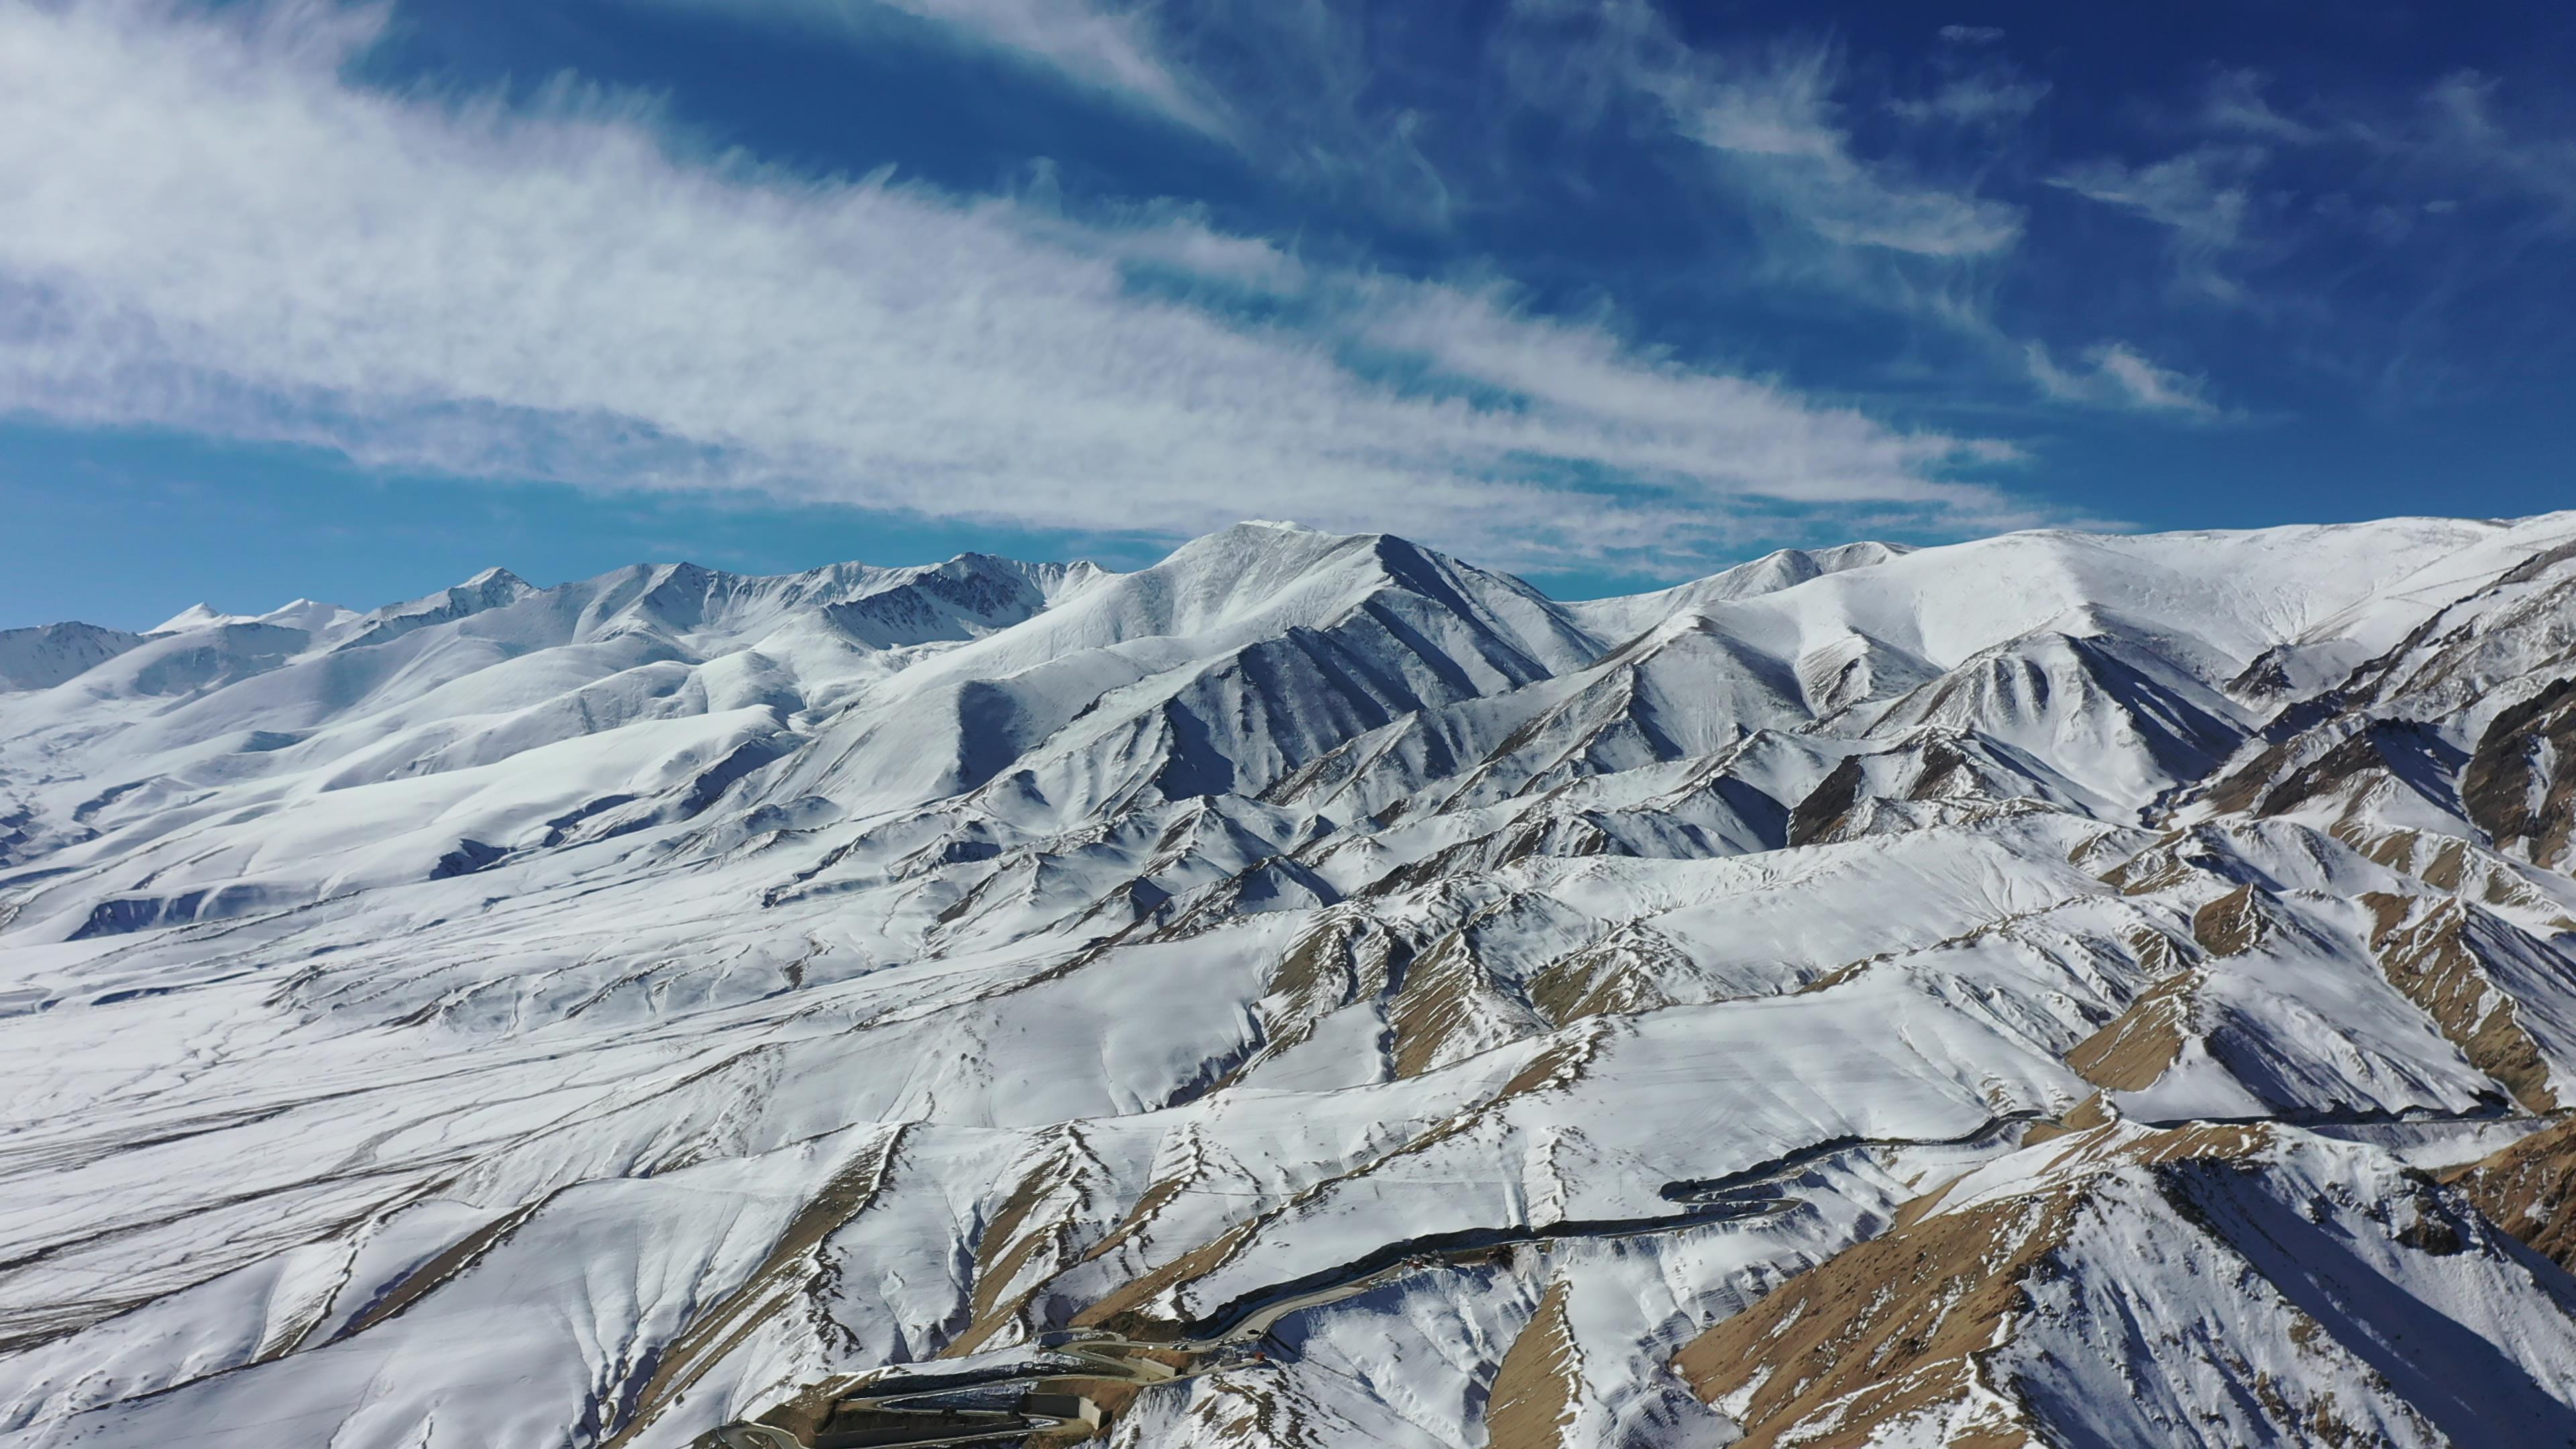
x=301 y=298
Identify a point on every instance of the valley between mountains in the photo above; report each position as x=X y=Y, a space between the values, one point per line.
x=2054 y=990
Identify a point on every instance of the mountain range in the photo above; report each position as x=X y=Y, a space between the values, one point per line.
x=2060 y=989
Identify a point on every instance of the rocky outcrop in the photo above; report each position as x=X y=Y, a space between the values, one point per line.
x=2529 y=1190
x=2201 y=1286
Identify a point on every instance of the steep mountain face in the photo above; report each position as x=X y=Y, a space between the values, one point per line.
x=2058 y=1296
x=2053 y=989
x=42 y=658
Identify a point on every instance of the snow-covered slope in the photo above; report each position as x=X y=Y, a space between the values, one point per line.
x=2064 y=1294
x=44 y=657
x=594 y=1014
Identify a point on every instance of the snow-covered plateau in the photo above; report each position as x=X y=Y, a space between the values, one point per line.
x=2060 y=990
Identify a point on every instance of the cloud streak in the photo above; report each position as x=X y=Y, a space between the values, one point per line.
x=2203 y=197
x=1108 y=47
x=1984 y=99
x=221 y=233
x=1776 y=125
x=2467 y=139
x=2115 y=374
x=1766 y=123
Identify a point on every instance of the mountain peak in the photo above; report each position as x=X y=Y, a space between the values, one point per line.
x=48 y=654
x=496 y=576
x=199 y=615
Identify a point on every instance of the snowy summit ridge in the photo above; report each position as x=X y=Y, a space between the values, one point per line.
x=2055 y=988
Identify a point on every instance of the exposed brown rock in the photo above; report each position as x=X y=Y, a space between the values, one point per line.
x=1011 y=1243
x=1439 y=1000
x=2233 y=924
x=2159 y=955
x=2094 y=1111
x=1126 y=1310
x=1327 y=968
x=1930 y=768
x=1884 y=1331
x=443 y=1266
x=2381 y=750
x=2433 y=959
x=1562 y=1064
x=1943 y=770
x=2529 y=1190
x=2172 y=859
x=1901 y=1325
x=1823 y=810
x=787 y=1276
x=1607 y=979
x=2452 y=863
x=1123 y=1311
x=2520 y=784
x=1534 y=1390
x=2439 y=861
x=2142 y=1043
x=1557 y=836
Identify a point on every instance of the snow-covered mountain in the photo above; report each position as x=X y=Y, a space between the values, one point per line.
x=2053 y=989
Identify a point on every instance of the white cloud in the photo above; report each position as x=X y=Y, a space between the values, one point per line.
x=2235 y=102
x=1109 y=46
x=2116 y=374
x=2203 y=196
x=1769 y=126
x=2196 y=193
x=2458 y=134
x=1971 y=34
x=1777 y=125
x=1287 y=84
x=1992 y=98
x=213 y=230
x=1571 y=371
x=2465 y=140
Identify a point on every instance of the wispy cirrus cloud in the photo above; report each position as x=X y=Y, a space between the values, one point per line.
x=220 y=232
x=1107 y=45
x=1982 y=99
x=1772 y=126
x=2116 y=374
x=2466 y=137
x=2358 y=179
x=2238 y=102
x=2203 y=197
x=1776 y=124
x=1767 y=124
x=2457 y=134
x=1289 y=85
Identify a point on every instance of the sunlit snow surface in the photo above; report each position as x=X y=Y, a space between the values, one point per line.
x=430 y=1027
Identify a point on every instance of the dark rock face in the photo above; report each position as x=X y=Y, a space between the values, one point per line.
x=2528 y=1189
x=2520 y=784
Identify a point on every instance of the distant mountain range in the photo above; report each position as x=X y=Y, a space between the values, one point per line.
x=2060 y=989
